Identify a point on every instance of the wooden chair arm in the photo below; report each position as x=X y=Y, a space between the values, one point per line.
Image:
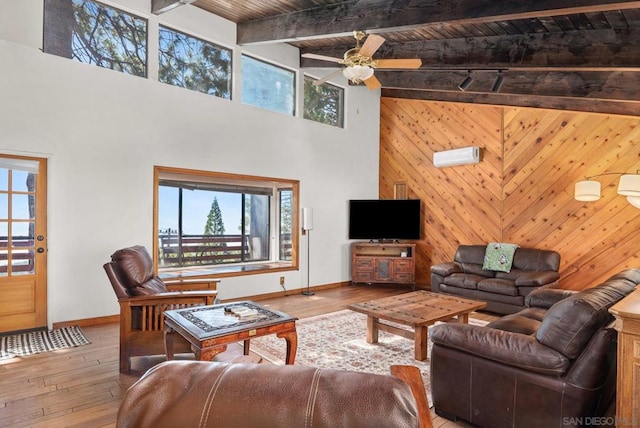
x=412 y=377
x=164 y=298
x=191 y=284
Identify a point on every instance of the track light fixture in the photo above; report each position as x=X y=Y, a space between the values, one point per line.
x=497 y=84
x=466 y=82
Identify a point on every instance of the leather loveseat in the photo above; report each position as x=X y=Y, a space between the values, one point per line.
x=504 y=292
x=213 y=394
x=552 y=364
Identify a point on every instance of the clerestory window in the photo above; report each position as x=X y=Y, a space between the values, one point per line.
x=268 y=86
x=209 y=222
x=323 y=103
x=192 y=63
x=93 y=33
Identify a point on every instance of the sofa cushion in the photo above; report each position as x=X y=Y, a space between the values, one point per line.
x=499 y=286
x=570 y=323
x=508 y=348
x=534 y=259
x=463 y=280
x=527 y=321
x=133 y=265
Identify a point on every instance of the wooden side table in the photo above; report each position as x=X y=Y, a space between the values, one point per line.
x=627 y=313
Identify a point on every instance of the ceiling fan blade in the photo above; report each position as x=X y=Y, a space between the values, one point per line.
x=371 y=45
x=321 y=57
x=399 y=63
x=373 y=83
x=325 y=78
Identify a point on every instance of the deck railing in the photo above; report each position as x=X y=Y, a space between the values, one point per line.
x=195 y=250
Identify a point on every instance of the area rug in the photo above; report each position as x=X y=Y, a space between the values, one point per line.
x=338 y=341
x=35 y=342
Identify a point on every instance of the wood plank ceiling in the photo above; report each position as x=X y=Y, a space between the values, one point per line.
x=581 y=55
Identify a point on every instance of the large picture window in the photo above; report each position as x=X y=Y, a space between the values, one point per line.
x=195 y=64
x=93 y=33
x=268 y=86
x=212 y=220
x=323 y=103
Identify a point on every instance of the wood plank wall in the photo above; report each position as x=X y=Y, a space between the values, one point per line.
x=522 y=190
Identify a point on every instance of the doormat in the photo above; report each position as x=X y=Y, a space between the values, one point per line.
x=35 y=342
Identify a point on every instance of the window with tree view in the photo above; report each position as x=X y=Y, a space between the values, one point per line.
x=93 y=33
x=208 y=219
x=323 y=103
x=195 y=64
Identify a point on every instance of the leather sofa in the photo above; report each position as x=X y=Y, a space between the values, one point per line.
x=504 y=292
x=551 y=364
x=213 y=394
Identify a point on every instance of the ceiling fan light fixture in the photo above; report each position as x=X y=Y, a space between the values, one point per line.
x=358 y=73
x=466 y=82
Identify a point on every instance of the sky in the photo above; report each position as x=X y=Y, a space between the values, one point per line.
x=196 y=206
x=20 y=203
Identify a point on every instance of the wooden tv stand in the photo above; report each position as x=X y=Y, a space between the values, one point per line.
x=373 y=262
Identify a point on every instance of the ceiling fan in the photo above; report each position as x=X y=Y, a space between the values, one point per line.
x=360 y=64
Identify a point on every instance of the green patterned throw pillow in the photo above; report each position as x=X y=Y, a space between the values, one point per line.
x=499 y=256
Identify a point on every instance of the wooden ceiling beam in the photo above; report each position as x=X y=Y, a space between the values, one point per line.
x=614 y=50
x=600 y=85
x=628 y=108
x=380 y=16
x=605 y=92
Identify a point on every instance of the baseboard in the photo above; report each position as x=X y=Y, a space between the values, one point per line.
x=110 y=319
x=89 y=322
x=259 y=297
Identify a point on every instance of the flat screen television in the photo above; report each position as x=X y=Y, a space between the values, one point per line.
x=384 y=219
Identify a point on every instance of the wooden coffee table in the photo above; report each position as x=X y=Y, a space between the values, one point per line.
x=419 y=310
x=210 y=329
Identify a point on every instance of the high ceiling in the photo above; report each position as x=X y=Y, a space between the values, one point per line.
x=579 y=55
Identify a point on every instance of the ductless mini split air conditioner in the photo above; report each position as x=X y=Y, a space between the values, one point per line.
x=463 y=156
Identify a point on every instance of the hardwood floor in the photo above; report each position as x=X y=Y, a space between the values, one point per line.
x=81 y=387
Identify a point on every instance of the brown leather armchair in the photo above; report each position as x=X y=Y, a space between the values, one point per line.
x=549 y=365
x=214 y=394
x=143 y=298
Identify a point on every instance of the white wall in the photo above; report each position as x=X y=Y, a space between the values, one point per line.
x=103 y=132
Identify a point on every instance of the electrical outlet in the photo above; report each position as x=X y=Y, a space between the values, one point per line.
x=282 y=280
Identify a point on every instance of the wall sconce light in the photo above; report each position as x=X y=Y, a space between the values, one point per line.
x=629 y=186
x=497 y=84
x=466 y=82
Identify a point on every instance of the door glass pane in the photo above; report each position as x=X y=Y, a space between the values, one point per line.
x=20 y=208
x=22 y=234
x=4 y=179
x=4 y=232
x=21 y=181
x=22 y=262
x=4 y=203
x=3 y=262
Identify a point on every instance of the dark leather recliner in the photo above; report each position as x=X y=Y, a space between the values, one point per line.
x=213 y=394
x=504 y=292
x=551 y=364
